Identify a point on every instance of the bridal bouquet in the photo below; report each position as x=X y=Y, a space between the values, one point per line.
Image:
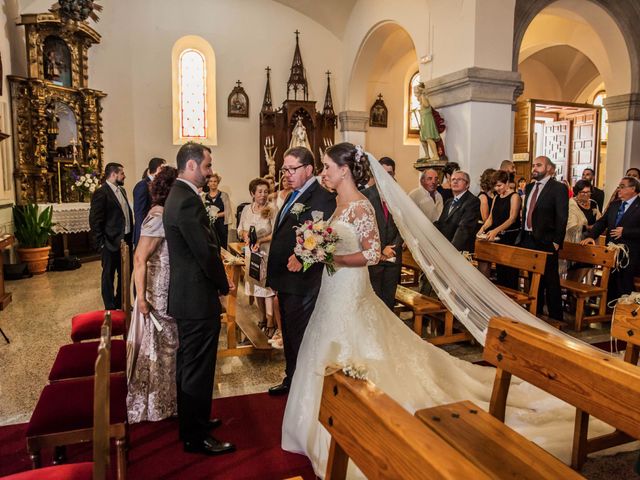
x=316 y=242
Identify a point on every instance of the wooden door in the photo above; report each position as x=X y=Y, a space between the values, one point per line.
x=557 y=138
x=522 y=137
x=583 y=144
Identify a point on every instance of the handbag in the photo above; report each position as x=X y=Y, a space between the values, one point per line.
x=258 y=267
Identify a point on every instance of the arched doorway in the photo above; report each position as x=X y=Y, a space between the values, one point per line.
x=385 y=65
x=568 y=54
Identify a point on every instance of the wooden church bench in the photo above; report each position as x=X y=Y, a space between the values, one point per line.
x=595 y=255
x=382 y=438
x=531 y=261
x=592 y=381
x=422 y=306
x=499 y=450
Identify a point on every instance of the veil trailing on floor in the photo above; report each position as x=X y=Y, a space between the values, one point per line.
x=463 y=289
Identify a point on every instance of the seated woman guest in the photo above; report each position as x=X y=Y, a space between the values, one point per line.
x=153 y=335
x=503 y=223
x=260 y=215
x=220 y=200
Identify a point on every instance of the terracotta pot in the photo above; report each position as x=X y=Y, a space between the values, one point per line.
x=36 y=259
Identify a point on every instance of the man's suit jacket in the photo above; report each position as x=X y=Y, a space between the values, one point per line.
x=550 y=215
x=597 y=196
x=389 y=234
x=283 y=239
x=106 y=218
x=197 y=275
x=461 y=224
x=630 y=224
x=141 y=206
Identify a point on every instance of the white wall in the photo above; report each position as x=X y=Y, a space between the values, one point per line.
x=132 y=65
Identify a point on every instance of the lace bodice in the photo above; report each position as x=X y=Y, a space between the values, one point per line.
x=358 y=231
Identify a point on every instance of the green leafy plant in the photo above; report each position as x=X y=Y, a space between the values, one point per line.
x=32 y=229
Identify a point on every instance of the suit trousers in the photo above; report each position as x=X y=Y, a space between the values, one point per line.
x=621 y=281
x=112 y=298
x=295 y=311
x=549 y=289
x=195 y=369
x=384 y=280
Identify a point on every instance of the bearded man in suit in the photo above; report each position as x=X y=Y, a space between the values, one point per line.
x=196 y=280
x=111 y=222
x=622 y=223
x=545 y=213
x=297 y=290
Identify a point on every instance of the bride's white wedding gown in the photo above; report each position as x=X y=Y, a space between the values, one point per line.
x=351 y=325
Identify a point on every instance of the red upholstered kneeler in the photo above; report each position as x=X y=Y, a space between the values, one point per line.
x=86 y=326
x=74 y=471
x=77 y=360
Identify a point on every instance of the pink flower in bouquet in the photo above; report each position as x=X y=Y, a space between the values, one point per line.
x=315 y=243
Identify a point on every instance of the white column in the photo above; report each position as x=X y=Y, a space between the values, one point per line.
x=353 y=127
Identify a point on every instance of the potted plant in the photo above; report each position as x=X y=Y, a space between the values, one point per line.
x=33 y=229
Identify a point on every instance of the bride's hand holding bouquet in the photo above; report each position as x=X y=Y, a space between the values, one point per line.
x=316 y=243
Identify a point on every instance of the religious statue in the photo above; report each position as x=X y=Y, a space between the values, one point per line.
x=270 y=150
x=429 y=129
x=299 y=136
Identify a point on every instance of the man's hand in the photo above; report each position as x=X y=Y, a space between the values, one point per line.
x=293 y=265
x=556 y=246
x=588 y=241
x=388 y=252
x=616 y=233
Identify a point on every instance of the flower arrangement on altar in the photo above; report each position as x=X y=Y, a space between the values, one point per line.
x=316 y=243
x=86 y=181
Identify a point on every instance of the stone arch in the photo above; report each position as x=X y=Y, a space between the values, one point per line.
x=615 y=42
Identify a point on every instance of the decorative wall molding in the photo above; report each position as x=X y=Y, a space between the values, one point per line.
x=353 y=121
x=475 y=84
x=622 y=108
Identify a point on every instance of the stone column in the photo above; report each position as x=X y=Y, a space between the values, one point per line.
x=353 y=126
x=476 y=104
x=623 y=144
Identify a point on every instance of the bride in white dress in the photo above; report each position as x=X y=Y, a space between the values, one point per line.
x=352 y=326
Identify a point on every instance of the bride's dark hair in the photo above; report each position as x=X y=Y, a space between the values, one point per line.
x=353 y=157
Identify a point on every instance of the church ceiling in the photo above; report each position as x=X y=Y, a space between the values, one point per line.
x=332 y=14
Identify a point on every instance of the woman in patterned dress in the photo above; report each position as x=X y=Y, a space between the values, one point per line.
x=152 y=342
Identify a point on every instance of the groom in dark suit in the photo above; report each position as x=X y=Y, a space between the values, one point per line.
x=297 y=290
x=385 y=276
x=197 y=278
x=622 y=223
x=111 y=222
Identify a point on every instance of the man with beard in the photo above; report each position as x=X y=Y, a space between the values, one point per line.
x=111 y=221
x=545 y=213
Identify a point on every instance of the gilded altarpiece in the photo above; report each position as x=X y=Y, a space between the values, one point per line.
x=57 y=123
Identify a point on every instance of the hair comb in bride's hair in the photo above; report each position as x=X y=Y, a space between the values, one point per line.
x=359 y=154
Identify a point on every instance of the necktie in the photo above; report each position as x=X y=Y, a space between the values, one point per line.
x=453 y=205
x=287 y=205
x=385 y=209
x=620 y=214
x=532 y=205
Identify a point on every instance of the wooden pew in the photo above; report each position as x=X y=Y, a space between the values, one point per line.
x=594 y=382
x=595 y=255
x=382 y=438
x=422 y=306
x=531 y=261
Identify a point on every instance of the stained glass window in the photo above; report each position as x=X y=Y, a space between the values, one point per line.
x=604 y=126
x=414 y=106
x=193 y=94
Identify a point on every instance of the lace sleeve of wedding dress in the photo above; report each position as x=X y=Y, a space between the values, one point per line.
x=464 y=290
x=364 y=221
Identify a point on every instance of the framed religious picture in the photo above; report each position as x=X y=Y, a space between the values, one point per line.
x=238 y=102
x=378 y=114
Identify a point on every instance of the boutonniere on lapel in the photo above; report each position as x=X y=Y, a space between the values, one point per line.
x=297 y=209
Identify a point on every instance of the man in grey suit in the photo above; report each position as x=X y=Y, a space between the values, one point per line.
x=197 y=278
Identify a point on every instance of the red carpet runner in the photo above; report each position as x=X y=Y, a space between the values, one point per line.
x=252 y=422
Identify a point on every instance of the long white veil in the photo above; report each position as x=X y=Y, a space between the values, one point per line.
x=463 y=289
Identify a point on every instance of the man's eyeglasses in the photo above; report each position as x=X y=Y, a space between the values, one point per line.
x=290 y=170
x=621 y=186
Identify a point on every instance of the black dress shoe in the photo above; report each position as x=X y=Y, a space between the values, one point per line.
x=281 y=389
x=209 y=446
x=214 y=423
